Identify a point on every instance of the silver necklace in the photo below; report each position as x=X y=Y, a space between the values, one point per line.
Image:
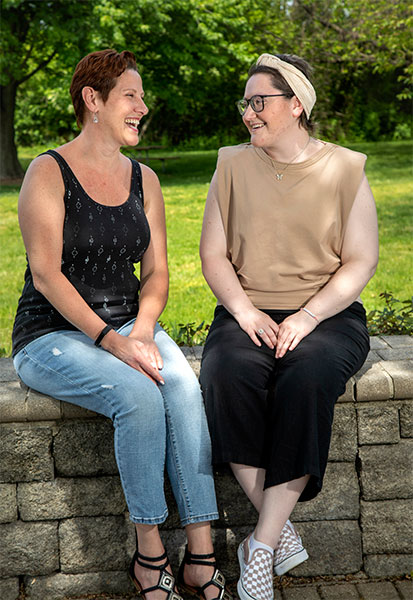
x=280 y=174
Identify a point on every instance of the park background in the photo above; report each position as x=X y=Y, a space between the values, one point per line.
x=193 y=57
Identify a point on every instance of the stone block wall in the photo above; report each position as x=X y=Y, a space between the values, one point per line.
x=64 y=529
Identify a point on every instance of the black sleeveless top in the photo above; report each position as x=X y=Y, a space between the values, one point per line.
x=101 y=245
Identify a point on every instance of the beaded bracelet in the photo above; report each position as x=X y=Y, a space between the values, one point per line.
x=102 y=334
x=309 y=313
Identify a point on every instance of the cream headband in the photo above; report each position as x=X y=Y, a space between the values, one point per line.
x=297 y=81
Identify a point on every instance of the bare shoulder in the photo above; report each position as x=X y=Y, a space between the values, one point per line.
x=149 y=177
x=41 y=198
x=43 y=175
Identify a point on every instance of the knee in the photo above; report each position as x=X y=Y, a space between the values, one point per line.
x=317 y=374
x=138 y=402
x=182 y=391
x=220 y=365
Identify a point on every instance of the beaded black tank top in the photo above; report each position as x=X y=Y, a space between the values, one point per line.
x=101 y=246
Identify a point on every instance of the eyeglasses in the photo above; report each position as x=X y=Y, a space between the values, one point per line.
x=256 y=102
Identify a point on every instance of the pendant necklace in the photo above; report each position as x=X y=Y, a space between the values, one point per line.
x=279 y=175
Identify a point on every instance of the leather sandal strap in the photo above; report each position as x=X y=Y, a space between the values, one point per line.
x=141 y=557
x=151 y=558
x=218 y=580
x=200 y=556
x=199 y=559
x=166 y=583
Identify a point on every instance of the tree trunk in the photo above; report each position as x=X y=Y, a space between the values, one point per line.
x=10 y=167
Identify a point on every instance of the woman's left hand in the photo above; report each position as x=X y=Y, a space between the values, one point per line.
x=292 y=330
x=149 y=349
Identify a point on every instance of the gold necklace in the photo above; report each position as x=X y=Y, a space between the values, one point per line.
x=279 y=175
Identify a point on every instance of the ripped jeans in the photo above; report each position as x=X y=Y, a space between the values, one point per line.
x=155 y=426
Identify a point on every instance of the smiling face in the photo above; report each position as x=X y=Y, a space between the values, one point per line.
x=279 y=118
x=124 y=108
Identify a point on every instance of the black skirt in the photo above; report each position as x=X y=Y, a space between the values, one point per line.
x=277 y=414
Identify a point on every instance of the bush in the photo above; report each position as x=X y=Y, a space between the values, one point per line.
x=187 y=334
x=402 y=131
x=396 y=318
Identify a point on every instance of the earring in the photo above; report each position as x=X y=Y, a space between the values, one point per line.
x=95 y=118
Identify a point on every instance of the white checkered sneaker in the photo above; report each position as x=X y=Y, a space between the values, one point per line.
x=256 y=581
x=290 y=551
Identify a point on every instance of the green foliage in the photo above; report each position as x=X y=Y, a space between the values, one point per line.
x=36 y=33
x=187 y=334
x=45 y=112
x=395 y=318
x=194 y=56
x=362 y=54
x=402 y=131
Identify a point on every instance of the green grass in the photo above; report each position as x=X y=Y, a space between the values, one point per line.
x=185 y=185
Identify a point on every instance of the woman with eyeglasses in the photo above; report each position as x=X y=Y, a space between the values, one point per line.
x=289 y=241
x=86 y=328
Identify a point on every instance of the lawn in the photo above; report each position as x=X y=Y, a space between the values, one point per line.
x=185 y=185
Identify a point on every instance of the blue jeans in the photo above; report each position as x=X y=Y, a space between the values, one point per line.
x=154 y=425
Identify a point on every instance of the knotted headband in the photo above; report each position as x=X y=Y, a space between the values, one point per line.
x=297 y=81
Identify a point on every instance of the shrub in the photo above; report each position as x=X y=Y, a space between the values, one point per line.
x=395 y=318
x=187 y=334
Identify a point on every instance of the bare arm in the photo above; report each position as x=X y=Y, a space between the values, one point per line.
x=41 y=217
x=222 y=279
x=154 y=265
x=359 y=261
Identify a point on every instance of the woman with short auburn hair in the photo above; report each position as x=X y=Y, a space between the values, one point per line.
x=86 y=328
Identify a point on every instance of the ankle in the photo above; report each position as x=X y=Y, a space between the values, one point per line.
x=199 y=550
x=255 y=543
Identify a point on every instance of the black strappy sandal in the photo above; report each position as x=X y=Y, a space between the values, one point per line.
x=166 y=581
x=218 y=580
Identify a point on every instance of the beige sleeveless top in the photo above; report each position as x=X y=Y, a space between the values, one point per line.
x=284 y=238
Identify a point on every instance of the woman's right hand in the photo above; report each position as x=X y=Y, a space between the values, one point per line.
x=133 y=352
x=259 y=326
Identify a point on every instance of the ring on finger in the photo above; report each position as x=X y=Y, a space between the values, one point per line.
x=260 y=331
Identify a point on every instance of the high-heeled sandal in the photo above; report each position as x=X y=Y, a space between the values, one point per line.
x=166 y=581
x=218 y=580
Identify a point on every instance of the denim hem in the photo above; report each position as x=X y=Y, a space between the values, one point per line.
x=200 y=518
x=149 y=520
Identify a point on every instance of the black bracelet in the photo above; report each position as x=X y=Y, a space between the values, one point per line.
x=102 y=334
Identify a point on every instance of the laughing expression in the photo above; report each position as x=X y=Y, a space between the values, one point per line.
x=122 y=112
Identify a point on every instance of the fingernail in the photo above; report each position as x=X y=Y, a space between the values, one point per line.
x=162 y=382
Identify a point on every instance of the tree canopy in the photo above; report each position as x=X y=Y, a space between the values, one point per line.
x=194 y=56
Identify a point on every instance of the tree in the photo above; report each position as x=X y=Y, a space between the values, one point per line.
x=35 y=34
x=362 y=50
x=193 y=55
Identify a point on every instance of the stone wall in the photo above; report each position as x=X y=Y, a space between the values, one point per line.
x=64 y=528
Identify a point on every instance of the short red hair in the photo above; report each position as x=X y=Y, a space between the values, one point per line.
x=98 y=70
